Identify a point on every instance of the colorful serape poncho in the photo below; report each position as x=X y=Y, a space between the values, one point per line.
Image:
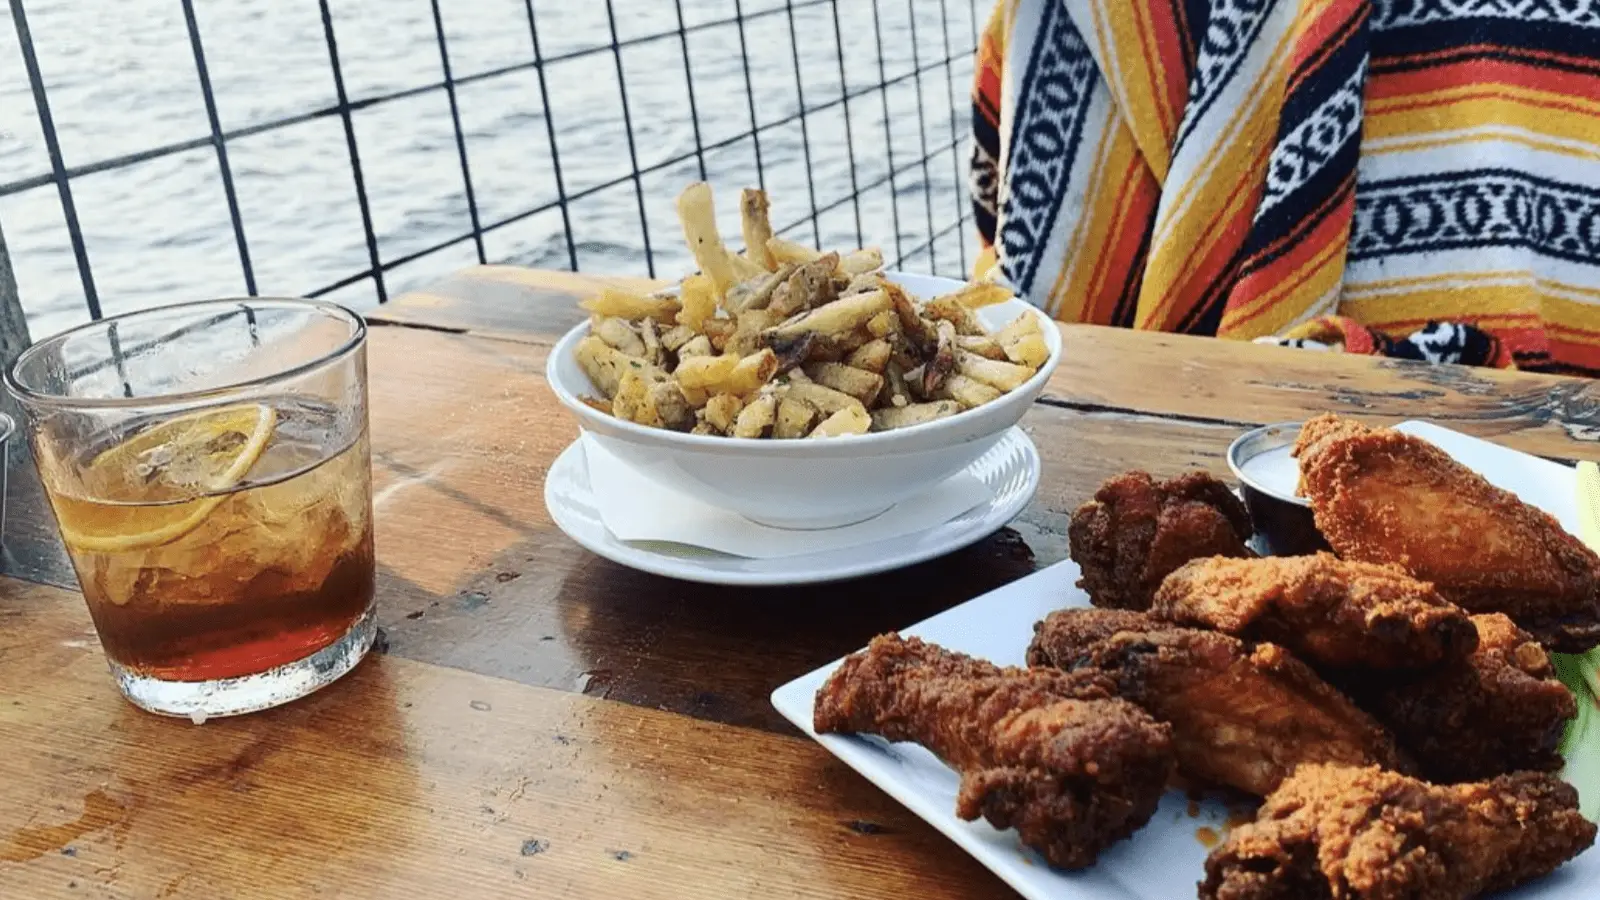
x=1410 y=177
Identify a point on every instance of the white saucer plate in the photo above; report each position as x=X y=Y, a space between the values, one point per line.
x=1010 y=470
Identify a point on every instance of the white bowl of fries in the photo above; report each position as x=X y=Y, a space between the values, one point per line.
x=801 y=389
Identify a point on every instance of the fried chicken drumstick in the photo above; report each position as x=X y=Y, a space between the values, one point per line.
x=1329 y=612
x=1137 y=529
x=1386 y=497
x=1366 y=834
x=1052 y=754
x=1242 y=715
x=1500 y=710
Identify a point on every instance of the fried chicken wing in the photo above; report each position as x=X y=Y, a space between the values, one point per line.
x=1367 y=834
x=1386 y=497
x=1137 y=529
x=1329 y=612
x=1242 y=715
x=1053 y=754
x=1500 y=710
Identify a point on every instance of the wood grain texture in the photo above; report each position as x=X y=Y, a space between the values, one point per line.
x=410 y=780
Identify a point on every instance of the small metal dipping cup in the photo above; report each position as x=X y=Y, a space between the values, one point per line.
x=1284 y=523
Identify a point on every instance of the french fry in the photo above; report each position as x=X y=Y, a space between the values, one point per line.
x=894 y=386
x=784 y=251
x=631 y=400
x=810 y=286
x=840 y=317
x=757 y=417
x=1003 y=376
x=916 y=329
x=698 y=297
x=869 y=281
x=753 y=371
x=747 y=336
x=719 y=331
x=827 y=400
x=892 y=417
x=761 y=295
x=721 y=411
x=652 y=342
x=705 y=428
x=942 y=362
x=709 y=373
x=596 y=403
x=669 y=406
x=850 y=420
x=699 y=345
x=794 y=419
x=699 y=218
x=1023 y=341
x=675 y=337
x=861 y=262
x=873 y=356
x=978 y=294
x=967 y=392
x=744 y=268
x=858 y=383
x=605 y=364
x=632 y=307
x=983 y=345
x=757 y=227
x=884 y=324
x=950 y=310
x=619 y=334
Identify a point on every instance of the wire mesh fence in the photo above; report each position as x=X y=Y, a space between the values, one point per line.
x=550 y=133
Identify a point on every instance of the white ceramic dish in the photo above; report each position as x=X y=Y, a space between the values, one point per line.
x=811 y=483
x=1164 y=860
x=1010 y=469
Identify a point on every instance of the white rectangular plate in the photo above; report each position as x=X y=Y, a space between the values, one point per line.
x=1164 y=860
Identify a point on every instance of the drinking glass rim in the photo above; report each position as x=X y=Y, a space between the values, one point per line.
x=358 y=335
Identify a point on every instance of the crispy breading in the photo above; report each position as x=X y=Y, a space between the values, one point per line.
x=1386 y=497
x=1242 y=715
x=1137 y=529
x=1052 y=754
x=1367 y=834
x=1327 y=611
x=1500 y=710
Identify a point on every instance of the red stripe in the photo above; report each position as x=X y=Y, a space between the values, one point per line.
x=1481 y=73
x=1329 y=232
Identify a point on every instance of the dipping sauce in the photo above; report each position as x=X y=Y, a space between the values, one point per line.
x=1273 y=470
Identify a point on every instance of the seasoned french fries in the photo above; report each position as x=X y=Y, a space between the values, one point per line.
x=1002 y=376
x=722 y=410
x=784 y=341
x=1023 y=342
x=757 y=228
x=757 y=417
x=626 y=305
x=699 y=219
x=850 y=420
x=795 y=418
x=858 y=383
x=786 y=251
x=891 y=417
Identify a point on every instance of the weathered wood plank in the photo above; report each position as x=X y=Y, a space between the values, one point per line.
x=407 y=780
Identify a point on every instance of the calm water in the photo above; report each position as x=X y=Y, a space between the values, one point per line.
x=121 y=79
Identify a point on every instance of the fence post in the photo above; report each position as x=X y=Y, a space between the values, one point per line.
x=13 y=327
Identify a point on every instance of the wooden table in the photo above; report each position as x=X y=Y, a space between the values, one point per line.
x=542 y=722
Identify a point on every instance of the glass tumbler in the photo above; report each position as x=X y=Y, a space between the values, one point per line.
x=209 y=469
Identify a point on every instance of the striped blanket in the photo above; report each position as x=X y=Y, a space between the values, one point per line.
x=1411 y=177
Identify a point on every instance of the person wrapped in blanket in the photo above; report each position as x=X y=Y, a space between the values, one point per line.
x=1411 y=178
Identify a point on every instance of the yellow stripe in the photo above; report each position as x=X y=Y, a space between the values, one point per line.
x=1291 y=298
x=1134 y=79
x=1542 y=114
x=1531 y=143
x=1078 y=254
x=1359 y=290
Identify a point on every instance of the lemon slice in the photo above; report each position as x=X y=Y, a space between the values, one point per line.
x=201 y=455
